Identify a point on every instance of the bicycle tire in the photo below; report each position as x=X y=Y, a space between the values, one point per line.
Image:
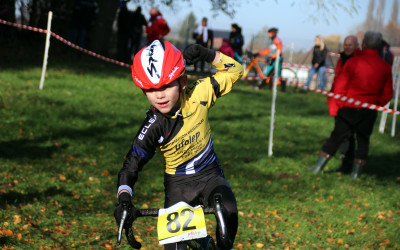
x=292 y=72
x=206 y=243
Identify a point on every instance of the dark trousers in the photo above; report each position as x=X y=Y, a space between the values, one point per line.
x=350 y=121
x=200 y=188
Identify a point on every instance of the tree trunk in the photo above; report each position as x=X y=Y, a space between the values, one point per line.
x=102 y=31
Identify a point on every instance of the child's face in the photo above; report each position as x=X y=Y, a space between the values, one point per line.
x=166 y=98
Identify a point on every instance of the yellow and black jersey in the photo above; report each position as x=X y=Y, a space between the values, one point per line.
x=184 y=139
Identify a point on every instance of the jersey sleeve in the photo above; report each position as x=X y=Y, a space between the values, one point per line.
x=141 y=151
x=229 y=71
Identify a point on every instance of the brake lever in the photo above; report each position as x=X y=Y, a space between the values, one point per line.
x=121 y=225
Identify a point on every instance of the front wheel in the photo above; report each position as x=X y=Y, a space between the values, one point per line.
x=209 y=243
x=206 y=243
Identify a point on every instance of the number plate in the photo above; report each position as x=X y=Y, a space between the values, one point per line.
x=180 y=222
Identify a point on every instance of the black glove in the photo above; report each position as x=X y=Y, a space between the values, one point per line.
x=256 y=54
x=269 y=60
x=196 y=52
x=124 y=200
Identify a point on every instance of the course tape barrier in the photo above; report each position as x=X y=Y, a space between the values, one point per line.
x=300 y=66
x=329 y=94
x=66 y=42
x=347 y=99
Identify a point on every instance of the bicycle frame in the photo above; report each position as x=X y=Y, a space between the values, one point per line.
x=254 y=63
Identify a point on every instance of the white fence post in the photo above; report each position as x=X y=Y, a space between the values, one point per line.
x=276 y=78
x=396 y=75
x=46 y=49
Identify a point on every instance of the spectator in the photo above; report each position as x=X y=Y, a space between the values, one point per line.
x=366 y=78
x=350 y=48
x=137 y=23
x=275 y=45
x=124 y=33
x=226 y=49
x=236 y=41
x=386 y=53
x=157 y=27
x=318 y=63
x=203 y=36
x=83 y=16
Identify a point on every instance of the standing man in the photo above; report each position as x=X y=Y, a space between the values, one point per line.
x=366 y=78
x=157 y=27
x=275 y=45
x=124 y=33
x=203 y=36
x=83 y=16
x=138 y=22
x=350 y=48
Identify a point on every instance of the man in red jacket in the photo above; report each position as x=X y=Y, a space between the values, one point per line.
x=366 y=78
x=350 y=48
x=157 y=27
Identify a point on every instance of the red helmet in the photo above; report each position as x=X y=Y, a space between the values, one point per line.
x=157 y=65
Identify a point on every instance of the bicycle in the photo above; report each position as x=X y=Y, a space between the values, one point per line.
x=191 y=235
x=254 y=65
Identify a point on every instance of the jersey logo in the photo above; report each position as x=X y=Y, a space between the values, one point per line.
x=229 y=65
x=173 y=72
x=146 y=128
x=152 y=59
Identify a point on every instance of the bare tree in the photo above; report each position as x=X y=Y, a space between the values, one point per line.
x=369 y=19
x=380 y=13
x=395 y=12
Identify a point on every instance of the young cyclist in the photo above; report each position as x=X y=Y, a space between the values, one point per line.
x=177 y=124
x=271 y=52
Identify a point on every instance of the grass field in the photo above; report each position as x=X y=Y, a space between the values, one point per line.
x=62 y=147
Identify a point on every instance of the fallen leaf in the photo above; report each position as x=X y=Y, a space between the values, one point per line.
x=17 y=219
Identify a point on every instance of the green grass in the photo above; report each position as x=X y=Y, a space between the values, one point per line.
x=62 y=147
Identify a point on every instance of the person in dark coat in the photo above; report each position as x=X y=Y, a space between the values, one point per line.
x=138 y=21
x=124 y=33
x=83 y=16
x=236 y=41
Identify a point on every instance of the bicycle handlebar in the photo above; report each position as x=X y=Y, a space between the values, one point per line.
x=153 y=212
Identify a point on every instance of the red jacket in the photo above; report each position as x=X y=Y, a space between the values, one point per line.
x=157 y=28
x=332 y=106
x=226 y=49
x=366 y=78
